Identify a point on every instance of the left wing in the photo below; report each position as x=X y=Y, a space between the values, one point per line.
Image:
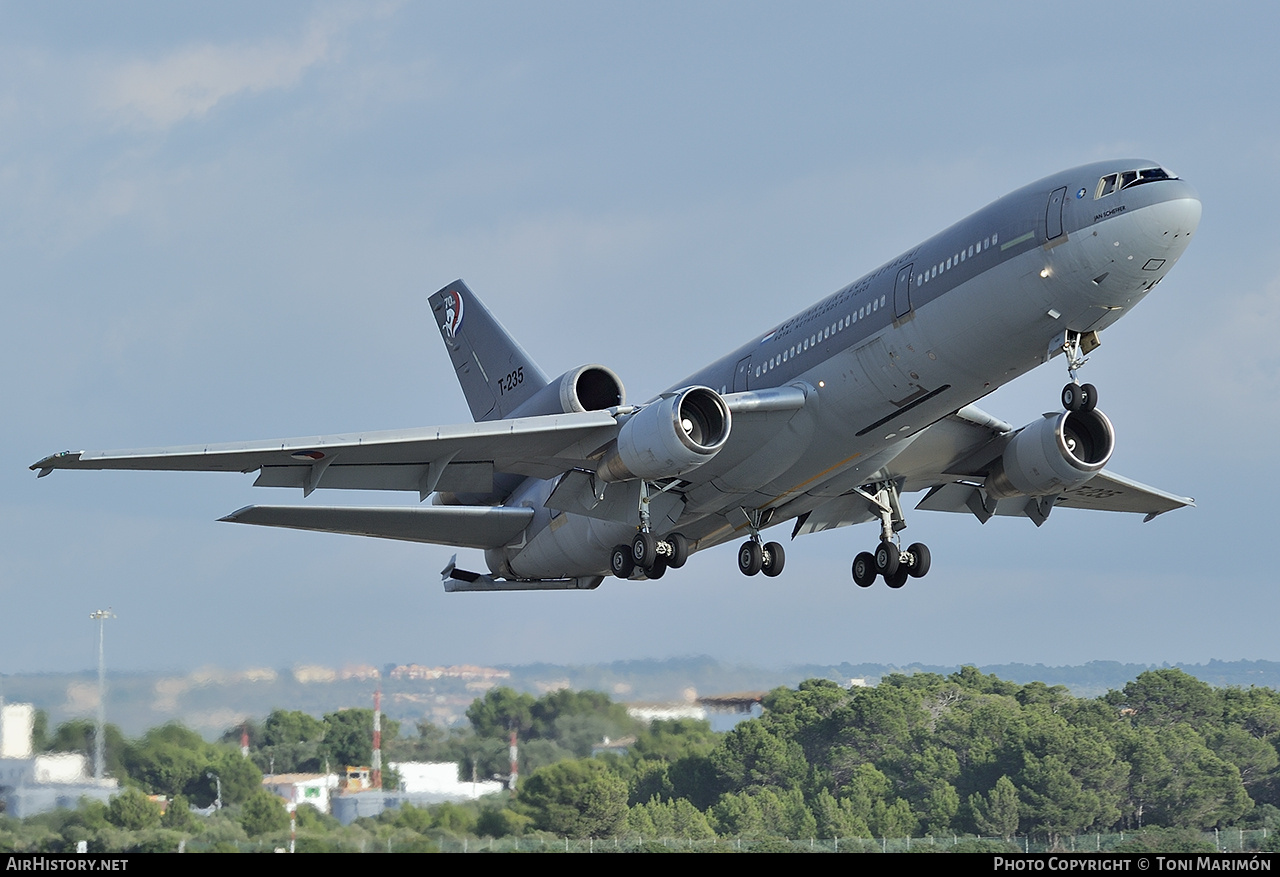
x=947 y=460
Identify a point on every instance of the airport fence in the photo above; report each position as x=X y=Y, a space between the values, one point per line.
x=1224 y=840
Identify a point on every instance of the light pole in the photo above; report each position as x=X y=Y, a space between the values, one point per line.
x=217 y=801
x=101 y=617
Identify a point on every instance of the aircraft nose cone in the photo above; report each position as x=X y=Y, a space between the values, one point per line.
x=1167 y=225
x=1184 y=205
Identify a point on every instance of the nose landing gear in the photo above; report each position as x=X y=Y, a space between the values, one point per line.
x=1077 y=396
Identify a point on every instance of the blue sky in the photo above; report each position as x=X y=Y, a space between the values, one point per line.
x=222 y=221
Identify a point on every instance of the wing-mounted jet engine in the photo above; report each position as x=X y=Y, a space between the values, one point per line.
x=663 y=440
x=669 y=437
x=1057 y=453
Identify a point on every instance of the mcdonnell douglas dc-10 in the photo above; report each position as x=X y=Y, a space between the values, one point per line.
x=821 y=422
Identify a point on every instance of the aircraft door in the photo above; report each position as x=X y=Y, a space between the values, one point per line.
x=1053 y=214
x=740 y=376
x=902 y=292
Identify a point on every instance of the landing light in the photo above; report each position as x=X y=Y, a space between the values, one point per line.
x=1045 y=272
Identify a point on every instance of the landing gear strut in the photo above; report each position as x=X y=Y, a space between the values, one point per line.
x=646 y=551
x=1077 y=396
x=755 y=555
x=889 y=560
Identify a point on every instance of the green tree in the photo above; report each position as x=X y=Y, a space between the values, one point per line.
x=838 y=818
x=580 y=798
x=263 y=813
x=1161 y=698
x=996 y=813
x=348 y=736
x=750 y=755
x=178 y=816
x=500 y=712
x=77 y=735
x=133 y=811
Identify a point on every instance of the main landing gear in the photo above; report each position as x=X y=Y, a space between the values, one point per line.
x=647 y=552
x=1075 y=395
x=889 y=560
x=757 y=556
x=650 y=554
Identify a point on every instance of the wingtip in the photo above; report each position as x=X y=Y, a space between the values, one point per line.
x=234 y=517
x=48 y=464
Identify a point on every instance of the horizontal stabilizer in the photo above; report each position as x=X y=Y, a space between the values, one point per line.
x=463 y=580
x=463 y=526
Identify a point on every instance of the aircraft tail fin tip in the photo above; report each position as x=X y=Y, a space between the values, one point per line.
x=495 y=372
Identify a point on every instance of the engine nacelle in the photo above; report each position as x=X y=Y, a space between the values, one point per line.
x=1056 y=453
x=585 y=388
x=669 y=437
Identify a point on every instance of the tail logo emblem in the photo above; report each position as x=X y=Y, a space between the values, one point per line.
x=452 y=313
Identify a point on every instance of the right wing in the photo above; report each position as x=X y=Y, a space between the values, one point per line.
x=460 y=458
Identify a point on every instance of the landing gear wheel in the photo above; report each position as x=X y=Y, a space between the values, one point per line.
x=679 y=550
x=658 y=569
x=774 y=559
x=1073 y=396
x=620 y=562
x=750 y=558
x=864 y=570
x=898 y=578
x=1090 y=397
x=919 y=566
x=644 y=549
x=888 y=558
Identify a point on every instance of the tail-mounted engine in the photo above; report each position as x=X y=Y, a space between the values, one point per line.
x=1057 y=453
x=669 y=437
x=585 y=388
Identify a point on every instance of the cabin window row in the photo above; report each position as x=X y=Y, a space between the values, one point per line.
x=821 y=335
x=961 y=256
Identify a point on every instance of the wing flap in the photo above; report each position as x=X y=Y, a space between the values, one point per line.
x=457 y=477
x=461 y=526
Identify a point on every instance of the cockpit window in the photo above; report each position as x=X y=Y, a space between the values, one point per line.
x=1114 y=182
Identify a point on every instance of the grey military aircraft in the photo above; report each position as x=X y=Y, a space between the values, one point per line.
x=823 y=421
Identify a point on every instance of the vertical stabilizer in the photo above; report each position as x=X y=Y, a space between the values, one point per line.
x=495 y=373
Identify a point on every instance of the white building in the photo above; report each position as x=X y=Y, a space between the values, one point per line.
x=302 y=788
x=31 y=784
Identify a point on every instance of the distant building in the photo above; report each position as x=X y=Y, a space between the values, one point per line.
x=652 y=712
x=30 y=783
x=422 y=784
x=303 y=788
x=441 y=779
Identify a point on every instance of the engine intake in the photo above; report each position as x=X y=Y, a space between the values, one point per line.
x=669 y=437
x=585 y=388
x=1056 y=453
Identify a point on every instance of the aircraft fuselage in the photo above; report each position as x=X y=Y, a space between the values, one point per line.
x=925 y=334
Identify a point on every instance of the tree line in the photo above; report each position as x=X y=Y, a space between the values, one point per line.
x=915 y=756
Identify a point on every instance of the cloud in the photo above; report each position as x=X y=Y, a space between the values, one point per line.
x=188 y=83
